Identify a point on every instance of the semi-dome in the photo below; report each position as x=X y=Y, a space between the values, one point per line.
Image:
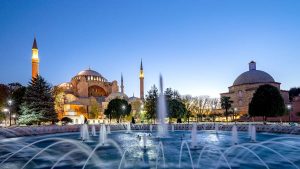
x=253 y=76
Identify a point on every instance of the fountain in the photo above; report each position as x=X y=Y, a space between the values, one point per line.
x=173 y=128
x=108 y=129
x=194 y=137
x=144 y=140
x=162 y=111
x=253 y=134
x=94 y=131
x=84 y=132
x=150 y=127
x=217 y=128
x=103 y=135
x=65 y=151
x=234 y=135
x=128 y=128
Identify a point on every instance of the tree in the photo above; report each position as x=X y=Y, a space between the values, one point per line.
x=177 y=110
x=267 y=102
x=226 y=105
x=2 y=116
x=59 y=98
x=17 y=93
x=4 y=95
x=201 y=105
x=136 y=108
x=95 y=109
x=117 y=109
x=188 y=101
x=294 y=92
x=151 y=103
x=38 y=103
x=66 y=120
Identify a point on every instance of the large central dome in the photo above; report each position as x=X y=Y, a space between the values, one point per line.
x=89 y=72
x=253 y=76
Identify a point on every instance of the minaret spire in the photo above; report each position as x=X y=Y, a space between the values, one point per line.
x=141 y=67
x=141 y=81
x=35 y=59
x=122 y=84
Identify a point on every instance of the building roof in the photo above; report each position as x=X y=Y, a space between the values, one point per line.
x=253 y=76
x=89 y=72
x=34 y=45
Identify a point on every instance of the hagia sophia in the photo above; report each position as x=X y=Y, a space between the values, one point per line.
x=86 y=89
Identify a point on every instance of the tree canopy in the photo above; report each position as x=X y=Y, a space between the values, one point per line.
x=295 y=91
x=267 y=102
x=117 y=109
x=38 y=105
x=151 y=103
x=226 y=105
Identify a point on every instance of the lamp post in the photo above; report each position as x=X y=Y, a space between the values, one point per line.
x=234 y=111
x=289 y=107
x=9 y=104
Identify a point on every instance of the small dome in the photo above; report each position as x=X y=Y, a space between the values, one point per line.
x=253 y=76
x=133 y=99
x=116 y=95
x=89 y=72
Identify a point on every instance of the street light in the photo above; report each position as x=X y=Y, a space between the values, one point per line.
x=234 y=111
x=9 y=104
x=289 y=107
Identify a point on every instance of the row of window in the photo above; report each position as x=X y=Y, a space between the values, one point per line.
x=92 y=78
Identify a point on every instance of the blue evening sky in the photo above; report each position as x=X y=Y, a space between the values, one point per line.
x=199 y=46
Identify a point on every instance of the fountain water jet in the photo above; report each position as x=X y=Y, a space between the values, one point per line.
x=128 y=128
x=103 y=135
x=173 y=128
x=94 y=131
x=234 y=135
x=144 y=140
x=108 y=130
x=253 y=134
x=194 y=137
x=150 y=127
x=162 y=111
x=217 y=128
x=249 y=130
x=84 y=132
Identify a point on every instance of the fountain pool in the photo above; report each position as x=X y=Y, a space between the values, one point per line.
x=144 y=150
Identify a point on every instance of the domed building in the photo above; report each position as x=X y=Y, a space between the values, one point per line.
x=86 y=91
x=245 y=85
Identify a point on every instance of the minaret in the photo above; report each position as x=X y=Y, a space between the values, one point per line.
x=35 y=59
x=122 y=84
x=141 y=81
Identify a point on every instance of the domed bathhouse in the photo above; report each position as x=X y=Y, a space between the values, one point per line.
x=245 y=85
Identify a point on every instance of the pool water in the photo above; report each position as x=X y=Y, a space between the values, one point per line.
x=123 y=150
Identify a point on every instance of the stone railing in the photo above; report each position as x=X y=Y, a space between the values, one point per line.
x=53 y=129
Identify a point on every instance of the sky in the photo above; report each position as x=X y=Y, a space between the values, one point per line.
x=199 y=46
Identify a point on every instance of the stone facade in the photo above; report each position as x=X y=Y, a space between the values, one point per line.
x=85 y=90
